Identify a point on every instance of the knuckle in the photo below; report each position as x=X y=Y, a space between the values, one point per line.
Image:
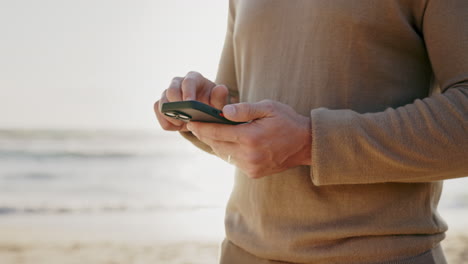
x=167 y=126
x=252 y=140
x=193 y=74
x=188 y=82
x=266 y=101
x=173 y=90
x=156 y=107
x=268 y=104
x=174 y=126
x=164 y=95
x=176 y=80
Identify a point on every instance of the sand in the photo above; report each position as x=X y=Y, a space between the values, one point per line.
x=195 y=252
x=180 y=237
x=159 y=238
x=456 y=248
x=108 y=253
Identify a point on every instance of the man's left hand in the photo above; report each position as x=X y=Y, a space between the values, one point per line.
x=275 y=138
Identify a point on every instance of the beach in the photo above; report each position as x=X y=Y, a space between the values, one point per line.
x=184 y=238
x=109 y=197
x=126 y=197
x=175 y=253
x=112 y=238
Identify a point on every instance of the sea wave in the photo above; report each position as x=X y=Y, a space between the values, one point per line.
x=12 y=210
x=25 y=154
x=18 y=144
x=82 y=134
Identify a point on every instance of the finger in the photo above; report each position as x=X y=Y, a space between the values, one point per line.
x=219 y=95
x=245 y=112
x=218 y=132
x=227 y=151
x=163 y=120
x=174 y=122
x=233 y=97
x=174 y=92
x=191 y=83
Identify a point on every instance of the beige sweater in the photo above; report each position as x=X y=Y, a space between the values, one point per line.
x=385 y=84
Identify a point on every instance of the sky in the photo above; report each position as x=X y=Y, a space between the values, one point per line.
x=100 y=64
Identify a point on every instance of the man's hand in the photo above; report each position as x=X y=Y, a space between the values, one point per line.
x=191 y=87
x=277 y=138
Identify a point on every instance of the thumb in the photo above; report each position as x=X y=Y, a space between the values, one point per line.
x=245 y=112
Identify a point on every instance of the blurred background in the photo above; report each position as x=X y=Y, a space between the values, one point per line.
x=86 y=173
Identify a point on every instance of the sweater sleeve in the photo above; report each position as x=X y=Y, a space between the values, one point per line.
x=226 y=73
x=419 y=142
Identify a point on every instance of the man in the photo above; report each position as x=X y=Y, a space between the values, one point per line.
x=359 y=110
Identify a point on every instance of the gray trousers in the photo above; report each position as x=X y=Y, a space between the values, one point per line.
x=232 y=254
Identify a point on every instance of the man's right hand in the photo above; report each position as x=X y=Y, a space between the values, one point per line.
x=191 y=87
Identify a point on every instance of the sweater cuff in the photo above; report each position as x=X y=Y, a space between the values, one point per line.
x=332 y=148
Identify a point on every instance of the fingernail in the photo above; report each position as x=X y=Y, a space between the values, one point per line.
x=189 y=126
x=229 y=110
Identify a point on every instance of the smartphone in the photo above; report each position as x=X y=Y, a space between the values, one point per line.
x=195 y=111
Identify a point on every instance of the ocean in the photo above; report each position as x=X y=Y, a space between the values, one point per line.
x=129 y=172
x=48 y=172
